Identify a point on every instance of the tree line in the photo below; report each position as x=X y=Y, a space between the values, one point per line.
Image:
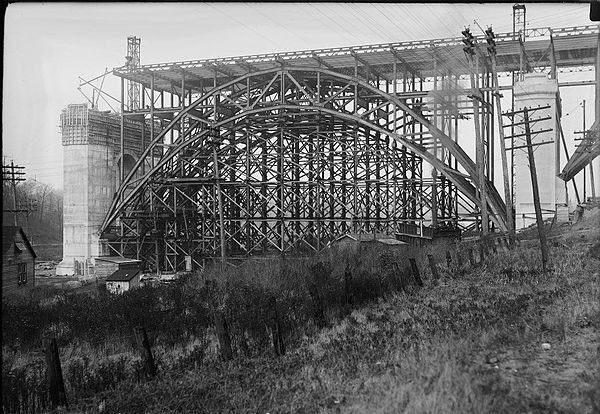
x=43 y=219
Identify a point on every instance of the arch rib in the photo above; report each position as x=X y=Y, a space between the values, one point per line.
x=131 y=187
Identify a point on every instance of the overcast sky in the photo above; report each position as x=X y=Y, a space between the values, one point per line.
x=47 y=46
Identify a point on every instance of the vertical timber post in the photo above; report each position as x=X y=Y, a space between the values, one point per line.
x=536 y=193
x=141 y=339
x=56 y=385
x=220 y=202
x=505 y=176
x=278 y=344
x=476 y=95
x=222 y=330
x=433 y=267
x=415 y=271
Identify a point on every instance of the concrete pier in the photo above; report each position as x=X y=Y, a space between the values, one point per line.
x=537 y=90
x=91 y=159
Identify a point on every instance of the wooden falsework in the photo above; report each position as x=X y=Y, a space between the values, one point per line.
x=223 y=335
x=536 y=193
x=415 y=271
x=433 y=267
x=56 y=385
x=141 y=339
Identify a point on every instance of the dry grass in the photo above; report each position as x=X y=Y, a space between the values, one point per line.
x=469 y=344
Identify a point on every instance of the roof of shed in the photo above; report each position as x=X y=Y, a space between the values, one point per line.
x=365 y=238
x=118 y=259
x=8 y=239
x=122 y=275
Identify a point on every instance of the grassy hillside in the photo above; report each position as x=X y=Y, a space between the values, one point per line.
x=497 y=337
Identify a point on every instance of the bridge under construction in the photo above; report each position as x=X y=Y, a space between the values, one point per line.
x=283 y=153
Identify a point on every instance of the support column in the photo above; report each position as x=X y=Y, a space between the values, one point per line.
x=537 y=90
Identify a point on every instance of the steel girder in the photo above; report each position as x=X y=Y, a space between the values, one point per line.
x=278 y=124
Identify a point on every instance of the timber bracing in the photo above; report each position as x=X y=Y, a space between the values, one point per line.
x=260 y=159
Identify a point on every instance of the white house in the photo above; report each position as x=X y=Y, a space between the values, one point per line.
x=122 y=280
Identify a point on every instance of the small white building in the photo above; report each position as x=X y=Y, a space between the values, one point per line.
x=122 y=280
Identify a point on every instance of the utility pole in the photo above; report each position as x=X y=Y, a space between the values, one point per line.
x=585 y=139
x=527 y=123
x=13 y=174
x=469 y=50
x=489 y=36
x=536 y=192
x=584 y=195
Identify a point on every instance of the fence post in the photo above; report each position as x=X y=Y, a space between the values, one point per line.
x=319 y=314
x=472 y=257
x=278 y=344
x=448 y=259
x=56 y=385
x=347 y=293
x=481 y=253
x=433 y=268
x=141 y=339
x=415 y=271
x=223 y=335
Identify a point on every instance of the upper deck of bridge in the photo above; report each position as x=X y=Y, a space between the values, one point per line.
x=573 y=47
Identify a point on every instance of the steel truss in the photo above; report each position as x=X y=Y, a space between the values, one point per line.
x=287 y=159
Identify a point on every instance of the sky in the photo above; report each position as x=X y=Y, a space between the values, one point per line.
x=48 y=46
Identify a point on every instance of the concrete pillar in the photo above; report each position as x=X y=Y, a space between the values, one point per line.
x=535 y=90
x=89 y=185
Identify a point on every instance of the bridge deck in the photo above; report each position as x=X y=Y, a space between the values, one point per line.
x=573 y=47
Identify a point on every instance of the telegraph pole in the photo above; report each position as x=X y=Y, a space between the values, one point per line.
x=469 y=42
x=13 y=174
x=489 y=36
x=536 y=192
x=584 y=195
x=526 y=123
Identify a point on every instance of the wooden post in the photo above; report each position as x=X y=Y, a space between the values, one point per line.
x=505 y=175
x=481 y=252
x=472 y=257
x=415 y=271
x=141 y=339
x=278 y=344
x=432 y=266
x=220 y=203
x=448 y=259
x=347 y=278
x=459 y=260
x=536 y=192
x=56 y=385
x=400 y=276
x=223 y=335
x=479 y=150
x=319 y=311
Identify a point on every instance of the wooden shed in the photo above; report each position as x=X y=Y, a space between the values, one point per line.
x=123 y=280
x=18 y=261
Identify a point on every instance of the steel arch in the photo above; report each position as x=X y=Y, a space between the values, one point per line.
x=254 y=95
